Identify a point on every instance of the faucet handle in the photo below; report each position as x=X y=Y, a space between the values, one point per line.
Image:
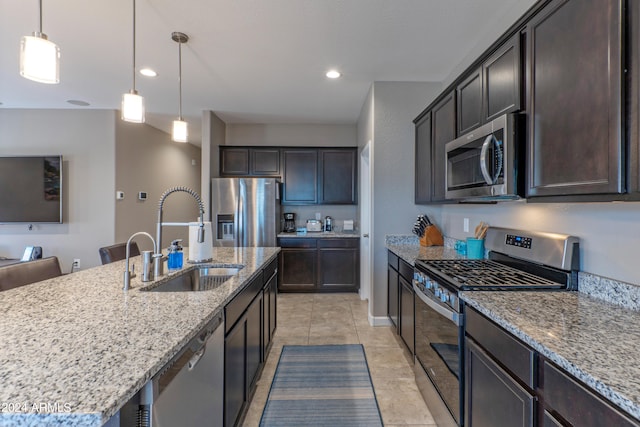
x=133 y=270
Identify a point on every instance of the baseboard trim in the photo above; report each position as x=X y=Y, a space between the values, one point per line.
x=379 y=320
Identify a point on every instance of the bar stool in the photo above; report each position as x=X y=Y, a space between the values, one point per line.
x=24 y=273
x=117 y=252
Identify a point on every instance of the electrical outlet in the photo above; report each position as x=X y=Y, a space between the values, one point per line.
x=76 y=263
x=466 y=225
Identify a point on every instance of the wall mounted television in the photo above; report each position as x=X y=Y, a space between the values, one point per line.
x=30 y=189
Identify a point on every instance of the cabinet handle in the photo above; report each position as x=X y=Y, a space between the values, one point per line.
x=365 y=235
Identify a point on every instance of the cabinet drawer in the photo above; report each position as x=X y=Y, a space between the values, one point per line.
x=507 y=350
x=233 y=311
x=338 y=243
x=577 y=404
x=270 y=269
x=406 y=271
x=393 y=259
x=297 y=243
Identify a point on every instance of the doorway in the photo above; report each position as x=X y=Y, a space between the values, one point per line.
x=365 y=224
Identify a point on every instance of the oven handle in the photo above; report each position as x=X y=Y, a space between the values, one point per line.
x=450 y=315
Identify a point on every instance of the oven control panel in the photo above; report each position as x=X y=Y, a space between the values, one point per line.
x=434 y=290
x=519 y=241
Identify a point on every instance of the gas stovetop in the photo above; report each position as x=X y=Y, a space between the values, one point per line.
x=467 y=274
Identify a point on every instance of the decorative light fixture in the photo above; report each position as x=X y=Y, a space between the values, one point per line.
x=148 y=72
x=132 y=103
x=180 y=132
x=39 y=57
x=333 y=74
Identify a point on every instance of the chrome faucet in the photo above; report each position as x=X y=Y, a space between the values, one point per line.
x=158 y=257
x=128 y=274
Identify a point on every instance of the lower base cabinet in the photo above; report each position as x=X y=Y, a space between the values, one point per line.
x=508 y=384
x=319 y=265
x=250 y=322
x=401 y=299
x=407 y=314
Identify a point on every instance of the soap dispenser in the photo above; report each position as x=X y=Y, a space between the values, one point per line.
x=175 y=255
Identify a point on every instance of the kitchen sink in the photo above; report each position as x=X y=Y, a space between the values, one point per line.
x=203 y=278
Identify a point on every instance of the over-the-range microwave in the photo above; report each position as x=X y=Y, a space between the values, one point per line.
x=488 y=162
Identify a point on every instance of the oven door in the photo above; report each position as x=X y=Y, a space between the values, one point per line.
x=439 y=349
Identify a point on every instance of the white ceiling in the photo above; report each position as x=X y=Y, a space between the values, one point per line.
x=250 y=61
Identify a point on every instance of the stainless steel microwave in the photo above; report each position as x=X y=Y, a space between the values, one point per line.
x=487 y=163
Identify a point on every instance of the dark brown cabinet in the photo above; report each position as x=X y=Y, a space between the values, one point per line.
x=574 y=57
x=502 y=80
x=423 y=166
x=443 y=116
x=469 y=102
x=401 y=299
x=249 y=161
x=508 y=383
x=407 y=314
x=300 y=176
x=319 y=265
x=245 y=351
x=337 y=180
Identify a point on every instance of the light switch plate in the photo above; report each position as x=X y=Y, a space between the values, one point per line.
x=466 y=225
x=119 y=195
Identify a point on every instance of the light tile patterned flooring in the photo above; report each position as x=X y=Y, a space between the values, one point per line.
x=342 y=319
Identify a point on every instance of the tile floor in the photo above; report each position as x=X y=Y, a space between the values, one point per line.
x=342 y=319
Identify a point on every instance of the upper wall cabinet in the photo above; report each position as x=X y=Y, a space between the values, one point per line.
x=300 y=176
x=337 y=180
x=423 y=160
x=249 y=161
x=443 y=116
x=502 y=78
x=574 y=97
x=469 y=97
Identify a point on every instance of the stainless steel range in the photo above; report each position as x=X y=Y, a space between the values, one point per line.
x=518 y=260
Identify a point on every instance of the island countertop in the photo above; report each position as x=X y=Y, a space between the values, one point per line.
x=76 y=348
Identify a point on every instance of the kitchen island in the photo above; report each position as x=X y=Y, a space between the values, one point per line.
x=78 y=347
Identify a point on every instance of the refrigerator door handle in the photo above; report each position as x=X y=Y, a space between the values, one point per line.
x=241 y=212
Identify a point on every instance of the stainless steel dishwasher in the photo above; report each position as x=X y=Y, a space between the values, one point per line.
x=188 y=391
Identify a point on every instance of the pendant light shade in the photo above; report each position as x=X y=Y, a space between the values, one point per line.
x=180 y=132
x=39 y=57
x=132 y=107
x=132 y=103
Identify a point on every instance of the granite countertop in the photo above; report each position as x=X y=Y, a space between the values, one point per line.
x=594 y=340
x=76 y=348
x=322 y=235
x=408 y=248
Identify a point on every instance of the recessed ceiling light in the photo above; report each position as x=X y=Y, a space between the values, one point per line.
x=78 y=103
x=148 y=72
x=333 y=74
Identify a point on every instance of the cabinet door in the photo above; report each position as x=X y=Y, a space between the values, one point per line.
x=423 y=167
x=297 y=269
x=392 y=295
x=273 y=305
x=265 y=161
x=235 y=379
x=338 y=179
x=268 y=314
x=469 y=97
x=338 y=269
x=574 y=89
x=234 y=161
x=502 y=79
x=254 y=342
x=300 y=177
x=492 y=397
x=444 y=130
x=407 y=314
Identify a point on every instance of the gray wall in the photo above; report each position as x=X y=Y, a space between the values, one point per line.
x=213 y=136
x=86 y=139
x=395 y=105
x=147 y=160
x=291 y=135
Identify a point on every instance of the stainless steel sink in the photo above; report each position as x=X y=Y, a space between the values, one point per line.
x=203 y=278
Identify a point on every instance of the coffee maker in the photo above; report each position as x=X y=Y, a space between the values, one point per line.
x=289 y=222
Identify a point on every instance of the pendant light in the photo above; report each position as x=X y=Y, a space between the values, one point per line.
x=39 y=57
x=132 y=103
x=179 y=133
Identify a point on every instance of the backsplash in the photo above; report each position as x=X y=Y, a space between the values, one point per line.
x=609 y=290
x=338 y=213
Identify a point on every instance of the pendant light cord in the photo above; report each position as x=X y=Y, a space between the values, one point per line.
x=40 y=16
x=180 y=80
x=134 y=45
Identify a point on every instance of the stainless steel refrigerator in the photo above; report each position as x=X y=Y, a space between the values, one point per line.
x=245 y=211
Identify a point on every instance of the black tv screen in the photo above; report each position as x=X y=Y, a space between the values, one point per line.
x=31 y=189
